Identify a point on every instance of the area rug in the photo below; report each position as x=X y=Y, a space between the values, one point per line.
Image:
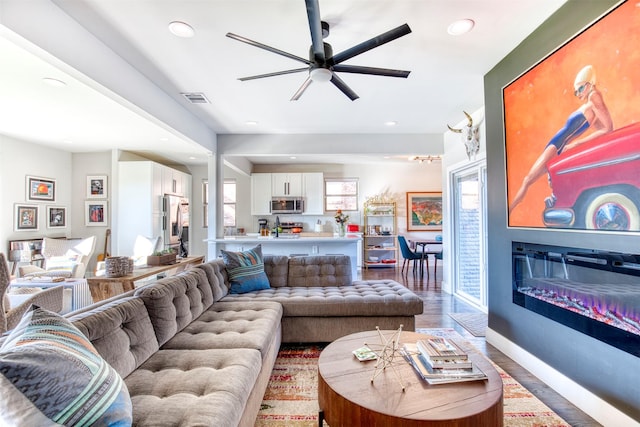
x=475 y=323
x=291 y=396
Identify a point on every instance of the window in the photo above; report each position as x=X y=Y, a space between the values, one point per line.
x=341 y=194
x=229 y=196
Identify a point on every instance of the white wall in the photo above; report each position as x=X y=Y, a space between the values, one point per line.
x=84 y=165
x=19 y=159
x=455 y=157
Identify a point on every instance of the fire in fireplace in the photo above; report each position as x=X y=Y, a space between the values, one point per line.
x=592 y=291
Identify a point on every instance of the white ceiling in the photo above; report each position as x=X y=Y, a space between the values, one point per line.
x=446 y=71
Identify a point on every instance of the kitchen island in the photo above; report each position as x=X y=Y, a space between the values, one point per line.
x=293 y=245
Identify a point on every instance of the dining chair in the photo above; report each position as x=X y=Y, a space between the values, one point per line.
x=408 y=254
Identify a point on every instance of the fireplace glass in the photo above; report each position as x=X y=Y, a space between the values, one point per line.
x=592 y=291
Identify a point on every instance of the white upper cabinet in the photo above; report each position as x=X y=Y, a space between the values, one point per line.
x=261 y=194
x=286 y=184
x=313 y=193
x=309 y=186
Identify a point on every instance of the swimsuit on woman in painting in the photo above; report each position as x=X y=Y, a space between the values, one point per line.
x=576 y=124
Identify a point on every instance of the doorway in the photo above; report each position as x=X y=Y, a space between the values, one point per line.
x=469 y=231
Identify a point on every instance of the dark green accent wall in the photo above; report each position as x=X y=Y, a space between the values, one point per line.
x=611 y=374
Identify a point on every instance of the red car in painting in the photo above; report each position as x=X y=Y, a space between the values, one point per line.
x=597 y=185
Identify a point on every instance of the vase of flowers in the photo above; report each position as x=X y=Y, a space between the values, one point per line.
x=341 y=221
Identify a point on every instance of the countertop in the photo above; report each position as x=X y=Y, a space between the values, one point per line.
x=287 y=239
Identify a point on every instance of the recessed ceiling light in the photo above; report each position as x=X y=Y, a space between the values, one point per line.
x=390 y=123
x=192 y=158
x=181 y=29
x=53 y=82
x=460 y=26
x=251 y=123
x=293 y=157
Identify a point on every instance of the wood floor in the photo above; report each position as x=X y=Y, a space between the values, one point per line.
x=438 y=305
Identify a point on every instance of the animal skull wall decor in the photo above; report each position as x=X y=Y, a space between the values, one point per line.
x=470 y=136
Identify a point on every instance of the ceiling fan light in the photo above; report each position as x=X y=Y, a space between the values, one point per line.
x=181 y=29
x=460 y=26
x=320 y=75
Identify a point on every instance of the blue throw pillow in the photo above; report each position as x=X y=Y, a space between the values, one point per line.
x=246 y=270
x=50 y=374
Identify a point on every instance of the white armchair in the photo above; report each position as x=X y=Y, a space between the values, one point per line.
x=62 y=258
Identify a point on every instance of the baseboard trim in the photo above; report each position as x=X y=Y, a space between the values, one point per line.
x=598 y=409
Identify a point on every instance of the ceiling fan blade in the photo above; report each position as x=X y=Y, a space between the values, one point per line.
x=337 y=81
x=276 y=73
x=370 y=70
x=313 y=13
x=383 y=38
x=268 y=48
x=300 y=91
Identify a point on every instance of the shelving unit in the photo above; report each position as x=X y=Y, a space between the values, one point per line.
x=380 y=248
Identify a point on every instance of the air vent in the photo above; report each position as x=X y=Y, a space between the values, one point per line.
x=196 y=97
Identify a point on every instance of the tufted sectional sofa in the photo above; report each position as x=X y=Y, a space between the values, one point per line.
x=191 y=354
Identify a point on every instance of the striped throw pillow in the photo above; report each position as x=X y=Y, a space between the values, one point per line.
x=246 y=270
x=50 y=373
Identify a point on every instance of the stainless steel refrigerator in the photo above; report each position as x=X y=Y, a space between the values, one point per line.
x=175 y=223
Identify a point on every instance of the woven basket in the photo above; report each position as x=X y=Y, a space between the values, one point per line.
x=118 y=266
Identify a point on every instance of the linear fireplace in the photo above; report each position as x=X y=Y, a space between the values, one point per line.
x=592 y=291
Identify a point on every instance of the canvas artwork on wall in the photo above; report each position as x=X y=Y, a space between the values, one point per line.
x=56 y=217
x=572 y=131
x=26 y=217
x=424 y=211
x=97 y=187
x=96 y=213
x=41 y=189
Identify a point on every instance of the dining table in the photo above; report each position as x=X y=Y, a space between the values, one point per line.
x=426 y=251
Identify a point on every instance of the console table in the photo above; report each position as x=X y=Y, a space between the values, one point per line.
x=347 y=397
x=103 y=287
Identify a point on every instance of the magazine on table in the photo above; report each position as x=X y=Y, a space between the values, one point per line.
x=444 y=362
x=439 y=376
x=441 y=349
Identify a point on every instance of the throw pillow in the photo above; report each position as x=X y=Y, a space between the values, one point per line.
x=51 y=373
x=246 y=270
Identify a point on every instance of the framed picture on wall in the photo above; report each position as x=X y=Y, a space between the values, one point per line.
x=95 y=213
x=56 y=217
x=571 y=126
x=26 y=217
x=424 y=211
x=41 y=189
x=96 y=187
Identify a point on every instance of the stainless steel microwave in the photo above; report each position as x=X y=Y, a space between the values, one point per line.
x=287 y=205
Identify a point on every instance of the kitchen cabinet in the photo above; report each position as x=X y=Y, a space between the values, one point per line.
x=313 y=193
x=261 y=194
x=380 y=235
x=308 y=185
x=141 y=186
x=286 y=184
x=174 y=181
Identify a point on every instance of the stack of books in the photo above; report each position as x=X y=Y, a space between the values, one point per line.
x=441 y=361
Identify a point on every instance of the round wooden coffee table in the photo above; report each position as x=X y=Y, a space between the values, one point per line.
x=347 y=397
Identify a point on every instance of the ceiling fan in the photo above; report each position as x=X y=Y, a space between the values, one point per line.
x=322 y=64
